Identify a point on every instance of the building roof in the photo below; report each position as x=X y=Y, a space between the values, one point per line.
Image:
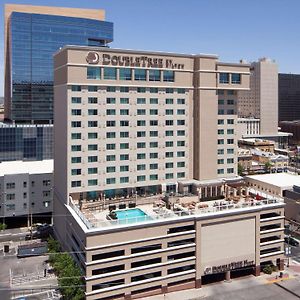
x=26 y=167
x=282 y=180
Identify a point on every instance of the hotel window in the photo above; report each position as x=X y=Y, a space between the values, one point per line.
x=230 y=151
x=230 y=92
x=124 y=100
x=141 y=123
x=140 y=74
x=141 y=178
x=169 y=90
x=92 y=182
x=110 y=135
x=141 y=112
x=110 y=146
x=141 y=90
x=92 y=88
x=75 y=148
x=76 y=88
x=76 y=183
x=220 y=171
x=93 y=73
x=180 y=122
x=110 y=157
x=180 y=101
x=180 y=174
x=169 y=112
x=154 y=75
x=169 y=132
x=141 y=156
x=124 y=168
x=181 y=91
x=153 y=112
x=110 y=100
x=180 y=153
x=153 y=155
x=230 y=102
x=169 y=165
x=124 y=145
x=92 y=159
x=141 y=167
x=220 y=142
x=169 y=144
x=76 y=171
x=181 y=164
x=124 y=134
x=124 y=123
x=153 y=144
x=110 y=169
x=153 y=177
x=180 y=111
x=221 y=102
x=230 y=170
x=220 y=151
x=180 y=143
x=92 y=100
x=141 y=133
x=124 y=156
x=153 y=90
x=169 y=175
x=110 y=112
x=153 y=133
x=153 y=101
x=92 y=123
x=141 y=101
x=111 y=89
x=124 y=179
x=230 y=141
x=180 y=132
x=220 y=92
x=169 y=76
x=125 y=74
x=110 y=73
x=153 y=123
x=76 y=160
x=92 y=135
x=76 y=100
x=92 y=112
x=169 y=154
x=230 y=111
x=220 y=161
x=124 y=112
x=230 y=131
x=224 y=78
x=141 y=145
x=220 y=131
x=220 y=111
x=75 y=124
x=169 y=101
x=76 y=136
x=92 y=147
x=92 y=170
x=169 y=122
x=124 y=89
x=220 y=122
x=110 y=180
x=230 y=160
x=230 y=121
x=235 y=78
x=10 y=197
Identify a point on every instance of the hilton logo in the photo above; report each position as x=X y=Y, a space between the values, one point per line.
x=92 y=58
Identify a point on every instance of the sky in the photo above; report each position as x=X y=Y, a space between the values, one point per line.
x=233 y=29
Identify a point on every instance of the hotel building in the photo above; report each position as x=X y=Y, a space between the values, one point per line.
x=131 y=126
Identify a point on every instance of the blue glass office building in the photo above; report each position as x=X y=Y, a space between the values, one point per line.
x=33 y=39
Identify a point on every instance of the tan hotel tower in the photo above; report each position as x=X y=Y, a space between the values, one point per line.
x=130 y=126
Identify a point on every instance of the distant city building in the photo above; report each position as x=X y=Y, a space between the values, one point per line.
x=261 y=101
x=32 y=35
x=26 y=188
x=292 y=127
x=289 y=97
x=26 y=142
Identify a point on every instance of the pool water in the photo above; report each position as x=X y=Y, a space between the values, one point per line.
x=129 y=216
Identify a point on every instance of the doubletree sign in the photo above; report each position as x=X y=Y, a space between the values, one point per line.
x=132 y=61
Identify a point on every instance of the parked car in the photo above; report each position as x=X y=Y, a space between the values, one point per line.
x=42 y=231
x=291 y=241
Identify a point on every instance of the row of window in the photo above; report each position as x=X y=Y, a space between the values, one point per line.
x=229 y=171
x=229 y=161
x=12 y=185
x=229 y=102
x=229 y=131
x=12 y=207
x=111 y=73
x=222 y=122
x=228 y=111
x=233 y=78
x=139 y=178
x=12 y=196
x=125 y=112
x=229 y=141
x=123 y=100
x=126 y=89
x=229 y=151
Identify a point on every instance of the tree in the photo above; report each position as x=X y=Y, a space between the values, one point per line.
x=268 y=166
x=241 y=169
x=3 y=226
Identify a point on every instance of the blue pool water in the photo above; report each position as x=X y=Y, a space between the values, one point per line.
x=129 y=216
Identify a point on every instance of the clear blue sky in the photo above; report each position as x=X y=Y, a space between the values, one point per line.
x=233 y=29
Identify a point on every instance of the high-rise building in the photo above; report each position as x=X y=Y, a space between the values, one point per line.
x=140 y=133
x=289 y=97
x=261 y=101
x=32 y=35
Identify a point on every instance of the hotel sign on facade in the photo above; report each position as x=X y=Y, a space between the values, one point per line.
x=132 y=61
x=228 y=267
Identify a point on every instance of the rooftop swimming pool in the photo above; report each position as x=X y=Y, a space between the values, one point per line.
x=129 y=216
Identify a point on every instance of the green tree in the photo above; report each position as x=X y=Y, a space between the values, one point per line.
x=241 y=169
x=3 y=226
x=268 y=166
x=53 y=245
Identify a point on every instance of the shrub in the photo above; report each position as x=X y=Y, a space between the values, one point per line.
x=268 y=269
x=3 y=226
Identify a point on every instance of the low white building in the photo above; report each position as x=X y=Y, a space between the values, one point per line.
x=26 y=188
